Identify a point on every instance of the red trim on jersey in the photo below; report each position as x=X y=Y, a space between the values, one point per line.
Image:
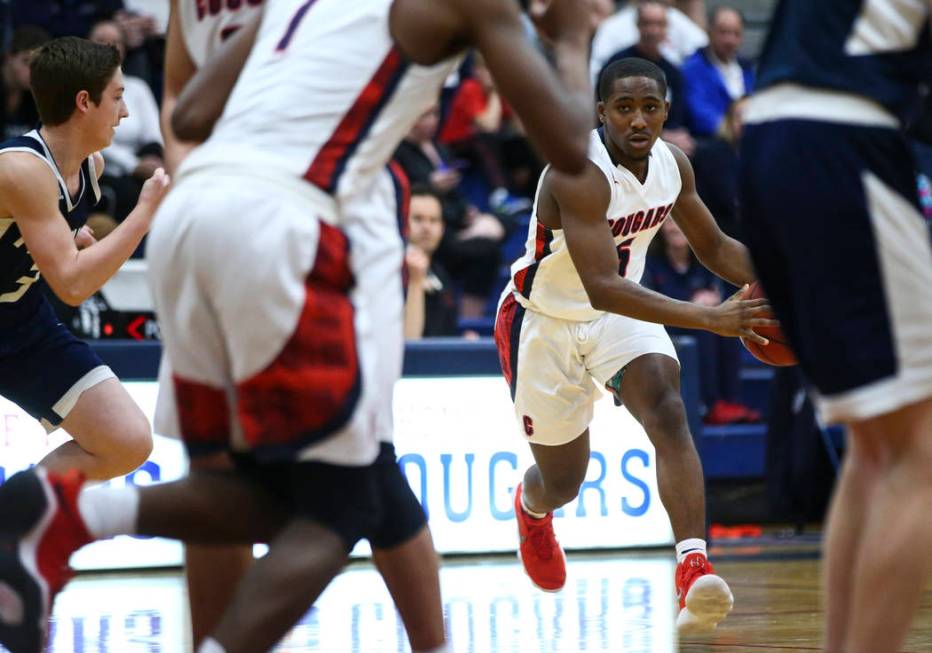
x=524 y=279
x=403 y=195
x=521 y=279
x=508 y=337
x=203 y=414
x=324 y=168
x=541 y=241
x=312 y=387
x=506 y=318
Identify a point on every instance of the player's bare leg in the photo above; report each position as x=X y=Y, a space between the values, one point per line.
x=650 y=389
x=111 y=434
x=280 y=587
x=411 y=573
x=551 y=482
x=212 y=572
x=554 y=480
x=844 y=526
x=896 y=533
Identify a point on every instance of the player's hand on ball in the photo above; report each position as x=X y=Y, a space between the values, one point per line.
x=737 y=317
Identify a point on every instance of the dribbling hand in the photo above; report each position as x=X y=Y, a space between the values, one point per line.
x=737 y=317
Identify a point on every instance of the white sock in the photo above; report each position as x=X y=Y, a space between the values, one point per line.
x=109 y=511
x=692 y=545
x=535 y=515
x=443 y=648
x=210 y=645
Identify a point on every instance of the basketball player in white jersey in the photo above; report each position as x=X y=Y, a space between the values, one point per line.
x=196 y=31
x=271 y=348
x=575 y=313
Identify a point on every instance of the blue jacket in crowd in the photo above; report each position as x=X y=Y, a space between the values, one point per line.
x=707 y=99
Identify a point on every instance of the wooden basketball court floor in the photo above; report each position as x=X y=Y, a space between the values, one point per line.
x=619 y=602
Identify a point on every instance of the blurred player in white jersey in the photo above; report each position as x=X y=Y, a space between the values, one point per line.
x=271 y=347
x=575 y=313
x=196 y=30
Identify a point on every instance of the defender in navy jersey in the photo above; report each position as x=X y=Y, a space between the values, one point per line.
x=48 y=178
x=833 y=223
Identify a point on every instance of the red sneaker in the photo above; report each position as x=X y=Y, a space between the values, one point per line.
x=704 y=598
x=40 y=528
x=540 y=553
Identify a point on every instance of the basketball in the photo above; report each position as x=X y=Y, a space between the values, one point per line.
x=778 y=352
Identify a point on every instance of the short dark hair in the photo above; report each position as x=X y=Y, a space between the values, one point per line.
x=28 y=37
x=716 y=11
x=630 y=67
x=422 y=189
x=65 y=66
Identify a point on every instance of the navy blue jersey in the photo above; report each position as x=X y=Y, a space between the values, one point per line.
x=20 y=295
x=878 y=49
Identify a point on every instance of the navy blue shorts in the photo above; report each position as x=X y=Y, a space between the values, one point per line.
x=832 y=219
x=372 y=502
x=44 y=368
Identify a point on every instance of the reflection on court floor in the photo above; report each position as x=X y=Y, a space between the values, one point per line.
x=610 y=603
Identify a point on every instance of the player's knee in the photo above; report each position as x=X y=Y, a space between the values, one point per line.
x=132 y=448
x=664 y=420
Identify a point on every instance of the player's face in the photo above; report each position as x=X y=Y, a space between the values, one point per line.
x=633 y=116
x=425 y=218
x=111 y=110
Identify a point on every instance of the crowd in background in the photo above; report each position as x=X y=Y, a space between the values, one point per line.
x=472 y=172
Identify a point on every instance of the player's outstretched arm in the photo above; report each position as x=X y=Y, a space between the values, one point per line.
x=717 y=251
x=29 y=194
x=179 y=68
x=582 y=202
x=201 y=102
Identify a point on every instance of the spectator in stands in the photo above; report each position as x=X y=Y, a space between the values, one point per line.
x=716 y=76
x=430 y=304
x=620 y=31
x=18 y=112
x=469 y=250
x=136 y=151
x=143 y=51
x=672 y=269
x=474 y=127
x=64 y=17
x=652 y=31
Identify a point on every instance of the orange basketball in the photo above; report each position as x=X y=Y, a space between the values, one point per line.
x=778 y=352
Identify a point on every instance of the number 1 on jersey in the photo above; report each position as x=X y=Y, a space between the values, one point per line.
x=624 y=255
x=293 y=25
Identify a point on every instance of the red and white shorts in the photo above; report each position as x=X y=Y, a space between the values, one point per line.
x=253 y=289
x=552 y=365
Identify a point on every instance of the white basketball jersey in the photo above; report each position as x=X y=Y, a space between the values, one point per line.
x=545 y=279
x=324 y=95
x=206 y=24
